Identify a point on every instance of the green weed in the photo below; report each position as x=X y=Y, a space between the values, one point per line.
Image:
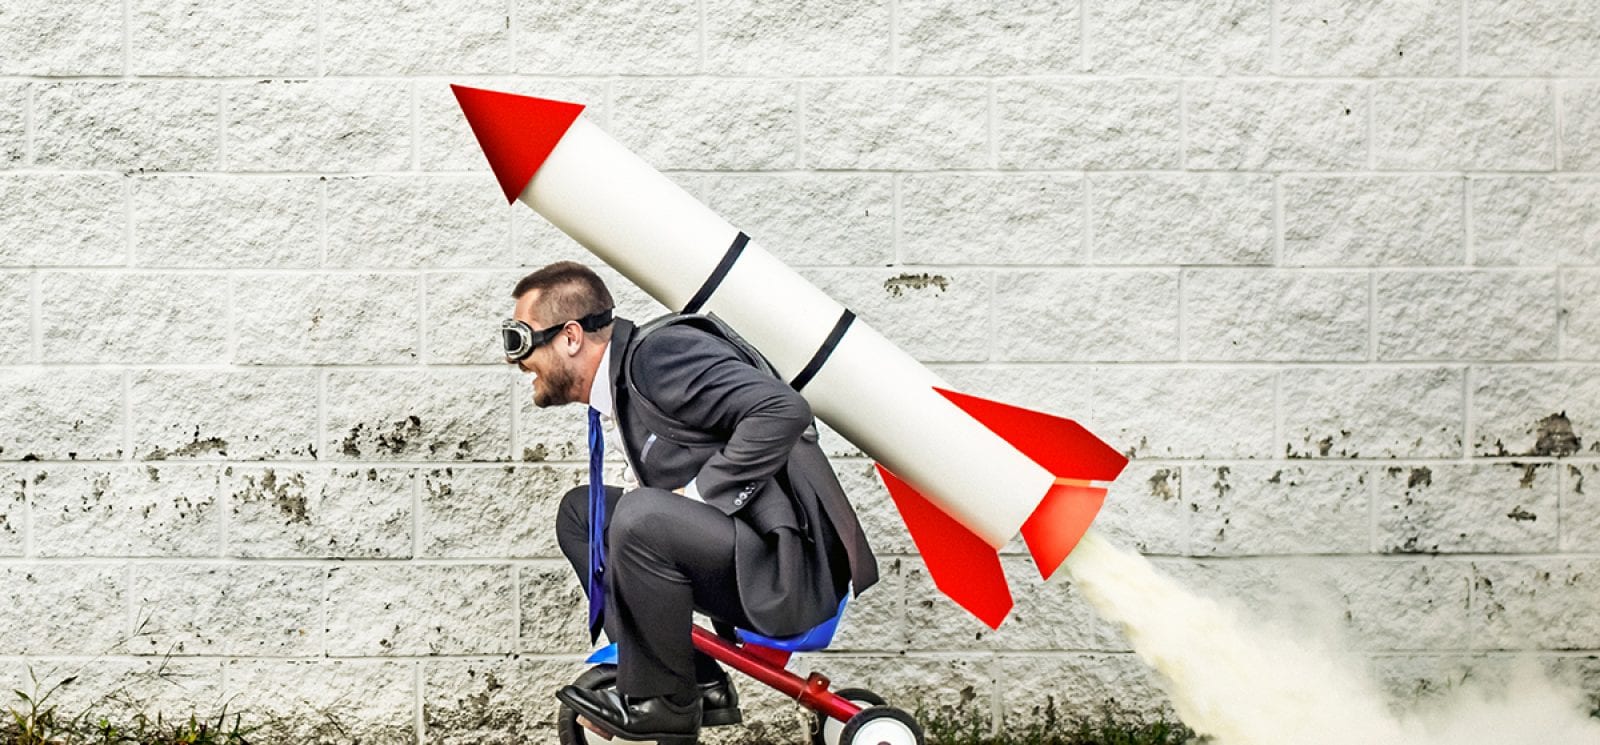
x=1111 y=725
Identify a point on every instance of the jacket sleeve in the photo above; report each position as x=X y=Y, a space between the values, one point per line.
x=701 y=381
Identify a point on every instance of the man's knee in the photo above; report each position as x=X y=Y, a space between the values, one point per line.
x=572 y=518
x=643 y=513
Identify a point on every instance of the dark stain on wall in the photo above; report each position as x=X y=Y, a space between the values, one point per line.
x=1555 y=437
x=287 y=494
x=897 y=286
x=1161 y=484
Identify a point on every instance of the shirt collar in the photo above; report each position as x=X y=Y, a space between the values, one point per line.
x=600 y=395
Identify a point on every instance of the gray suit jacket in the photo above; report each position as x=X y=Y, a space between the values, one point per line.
x=698 y=411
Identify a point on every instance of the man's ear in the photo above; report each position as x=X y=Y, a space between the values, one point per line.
x=572 y=339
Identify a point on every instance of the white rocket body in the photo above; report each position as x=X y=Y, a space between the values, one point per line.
x=873 y=393
x=966 y=474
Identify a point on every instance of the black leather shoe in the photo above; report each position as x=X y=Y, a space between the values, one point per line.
x=635 y=718
x=720 y=703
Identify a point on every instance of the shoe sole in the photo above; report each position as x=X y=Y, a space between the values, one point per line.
x=663 y=738
x=721 y=718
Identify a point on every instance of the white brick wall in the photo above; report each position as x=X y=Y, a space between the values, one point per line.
x=1329 y=269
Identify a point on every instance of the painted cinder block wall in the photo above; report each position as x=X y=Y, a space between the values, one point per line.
x=1330 y=272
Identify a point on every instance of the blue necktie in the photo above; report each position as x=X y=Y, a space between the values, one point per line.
x=597 y=524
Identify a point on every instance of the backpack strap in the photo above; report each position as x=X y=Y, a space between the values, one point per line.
x=660 y=422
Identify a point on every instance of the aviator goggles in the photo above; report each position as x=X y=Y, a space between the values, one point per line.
x=519 y=339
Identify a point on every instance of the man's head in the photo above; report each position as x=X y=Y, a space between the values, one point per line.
x=556 y=300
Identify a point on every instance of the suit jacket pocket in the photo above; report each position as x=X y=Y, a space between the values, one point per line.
x=770 y=509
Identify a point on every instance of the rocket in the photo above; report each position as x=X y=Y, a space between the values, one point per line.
x=967 y=474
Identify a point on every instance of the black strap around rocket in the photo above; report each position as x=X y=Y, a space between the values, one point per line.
x=714 y=280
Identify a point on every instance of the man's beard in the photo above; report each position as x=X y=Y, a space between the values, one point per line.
x=557 y=388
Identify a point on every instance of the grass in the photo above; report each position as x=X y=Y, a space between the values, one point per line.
x=1111 y=725
x=33 y=719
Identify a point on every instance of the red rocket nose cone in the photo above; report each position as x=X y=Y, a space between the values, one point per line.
x=516 y=132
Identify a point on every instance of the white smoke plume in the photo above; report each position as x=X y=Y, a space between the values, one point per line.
x=1245 y=683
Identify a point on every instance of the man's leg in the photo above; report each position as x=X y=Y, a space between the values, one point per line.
x=668 y=556
x=572 y=534
x=572 y=527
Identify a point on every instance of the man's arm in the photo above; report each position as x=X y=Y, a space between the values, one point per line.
x=701 y=381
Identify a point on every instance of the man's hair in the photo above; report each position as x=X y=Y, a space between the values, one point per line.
x=568 y=291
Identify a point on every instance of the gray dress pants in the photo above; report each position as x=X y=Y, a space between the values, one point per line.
x=667 y=556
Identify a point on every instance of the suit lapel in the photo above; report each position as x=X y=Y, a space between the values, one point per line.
x=621 y=337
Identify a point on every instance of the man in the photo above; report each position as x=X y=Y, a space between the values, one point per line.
x=737 y=513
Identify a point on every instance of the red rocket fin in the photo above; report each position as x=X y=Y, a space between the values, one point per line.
x=516 y=132
x=962 y=565
x=1061 y=446
x=1060 y=520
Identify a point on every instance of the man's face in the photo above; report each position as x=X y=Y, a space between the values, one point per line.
x=555 y=373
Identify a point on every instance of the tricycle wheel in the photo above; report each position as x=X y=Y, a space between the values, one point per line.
x=827 y=729
x=881 y=725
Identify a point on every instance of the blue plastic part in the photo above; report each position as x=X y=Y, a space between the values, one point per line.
x=606 y=655
x=817 y=638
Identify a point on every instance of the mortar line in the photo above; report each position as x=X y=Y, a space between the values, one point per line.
x=516 y=419
x=1468 y=425
x=1086 y=205
x=1278 y=237
x=302 y=562
x=1469 y=236
x=1183 y=347
x=1389 y=173
x=1278 y=429
x=322 y=609
x=1155 y=366
x=27 y=126
x=416 y=133
x=576 y=466
x=322 y=417
x=992 y=108
x=1083 y=36
x=418 y=701
x=127 y=39
x=1044 y=77
x=1561 y=313
x=1183 y=127
x=1274 y=57
x=28 y=547
x=516 y=610
x=514 y=37
x=895 y=196
x=1372 y=127
x=800 y=125
x=322 y=224
x=1562 y=483
x=321 y=35
x=417 y=476
x=996 y=706
x=222 y=128
x=36 y=315
x=131 y=605
x=991 y=281
x=421 y=339
x=1372 y=510
x=127 y=416
x=1557 y=122
x=705 y=57
x=1461 y=51
x=233 y=319
x=1372 y=315
x=126 y=191
x=894 y=37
